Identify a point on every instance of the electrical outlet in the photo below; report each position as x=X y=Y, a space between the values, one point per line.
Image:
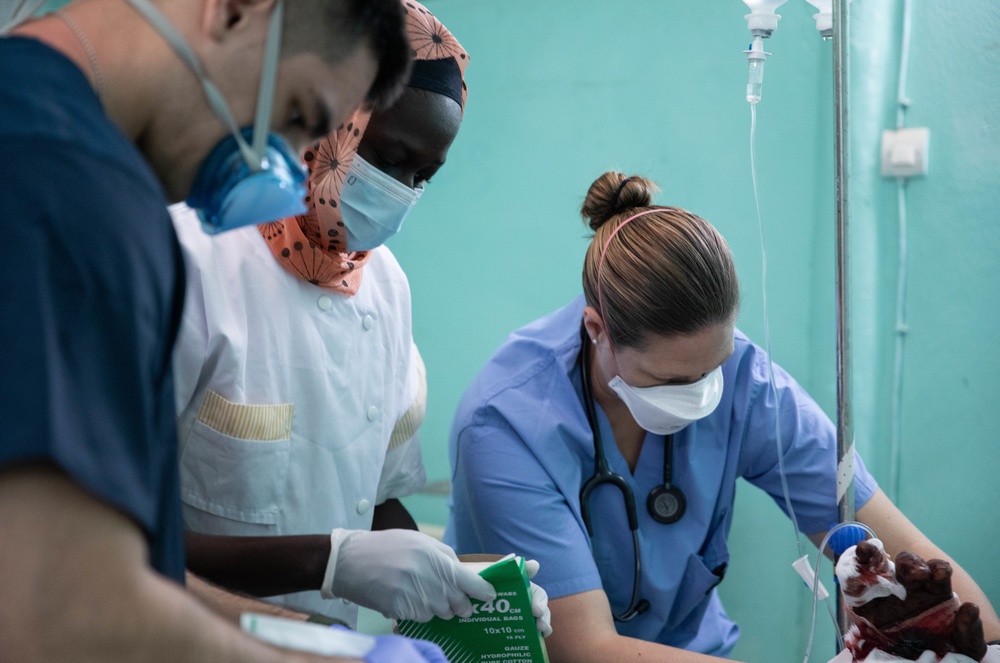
x=904 y=152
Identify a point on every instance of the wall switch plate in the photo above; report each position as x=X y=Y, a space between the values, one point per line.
x=904 y=152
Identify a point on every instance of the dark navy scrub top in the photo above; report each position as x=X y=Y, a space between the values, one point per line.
x=91 y=282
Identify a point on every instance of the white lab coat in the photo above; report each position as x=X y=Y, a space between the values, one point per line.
x=297 y=406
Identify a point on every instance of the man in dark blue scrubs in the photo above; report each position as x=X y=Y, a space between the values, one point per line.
x=101 y=125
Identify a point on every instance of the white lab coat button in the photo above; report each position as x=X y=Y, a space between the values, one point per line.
x=363 y=507
x=368 y=322
x=372 y=413
x=324 y=302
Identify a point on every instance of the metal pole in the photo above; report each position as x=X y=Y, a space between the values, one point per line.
x=845 y=419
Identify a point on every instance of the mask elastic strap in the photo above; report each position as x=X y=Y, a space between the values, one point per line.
x=20 y=12
x=268 y=77
x=212 y=93
x=600 y=268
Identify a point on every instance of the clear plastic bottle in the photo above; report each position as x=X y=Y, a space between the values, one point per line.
x=824 y=17
x=762 y=20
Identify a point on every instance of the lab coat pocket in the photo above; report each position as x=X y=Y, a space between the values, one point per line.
x=703 y=573
x=235 y=461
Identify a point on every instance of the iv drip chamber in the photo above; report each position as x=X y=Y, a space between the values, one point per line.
x=762 y=22
x=755 y=69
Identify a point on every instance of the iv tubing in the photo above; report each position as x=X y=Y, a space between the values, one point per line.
x=845 y=421
x=815 y=587
x=767 y=334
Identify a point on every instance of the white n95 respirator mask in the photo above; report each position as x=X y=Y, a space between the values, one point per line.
x=665 y=409
x=374 y=205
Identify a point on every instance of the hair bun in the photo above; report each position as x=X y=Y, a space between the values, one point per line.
x=612 y=194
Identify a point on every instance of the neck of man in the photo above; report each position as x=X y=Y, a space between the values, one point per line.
x=110 y=29
x=141 y=74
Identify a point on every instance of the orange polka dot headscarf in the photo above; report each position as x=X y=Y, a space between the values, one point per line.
x=313 y=245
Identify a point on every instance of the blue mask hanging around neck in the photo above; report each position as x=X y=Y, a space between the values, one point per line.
x=228 y=194
x=251 y=176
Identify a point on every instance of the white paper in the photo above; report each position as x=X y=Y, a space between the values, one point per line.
x=306 y=636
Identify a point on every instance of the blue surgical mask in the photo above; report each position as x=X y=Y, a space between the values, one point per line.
x=252 y=176
x=374 y=205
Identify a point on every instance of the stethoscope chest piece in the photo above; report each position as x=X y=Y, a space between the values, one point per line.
x=666 y=504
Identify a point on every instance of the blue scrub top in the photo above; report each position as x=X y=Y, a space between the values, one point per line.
x=521 y=449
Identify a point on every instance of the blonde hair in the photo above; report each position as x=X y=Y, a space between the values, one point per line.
x=669 y=272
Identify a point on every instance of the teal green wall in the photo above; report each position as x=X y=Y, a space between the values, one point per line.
x=562 y=90
x=950 y=453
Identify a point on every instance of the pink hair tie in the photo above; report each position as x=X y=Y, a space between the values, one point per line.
x=600 y=266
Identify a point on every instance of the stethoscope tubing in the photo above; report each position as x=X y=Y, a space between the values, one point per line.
x=603 y=474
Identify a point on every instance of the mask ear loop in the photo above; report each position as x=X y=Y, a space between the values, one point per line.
x=21 y=11
x=254 y=157
x=268 y=77
x=600 y=268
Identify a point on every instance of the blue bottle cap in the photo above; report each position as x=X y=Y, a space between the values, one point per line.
x=844 y=538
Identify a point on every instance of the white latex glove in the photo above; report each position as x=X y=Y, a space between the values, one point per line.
x=539 y=601
x=403 y=574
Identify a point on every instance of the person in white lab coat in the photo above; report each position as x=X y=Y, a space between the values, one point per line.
x=103 y=121
x=299 y=387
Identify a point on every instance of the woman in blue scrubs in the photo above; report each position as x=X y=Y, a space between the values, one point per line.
x=647 y=366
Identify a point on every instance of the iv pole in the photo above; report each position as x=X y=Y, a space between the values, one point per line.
x=845 y=418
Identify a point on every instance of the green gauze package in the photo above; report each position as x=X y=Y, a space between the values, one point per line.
x=499 y=631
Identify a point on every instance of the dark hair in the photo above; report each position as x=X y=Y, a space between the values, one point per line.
x=666 y=273
x=340 y=25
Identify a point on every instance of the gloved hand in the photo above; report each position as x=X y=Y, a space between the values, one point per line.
x=539 y=601
x=397 y=649
x=403 y=574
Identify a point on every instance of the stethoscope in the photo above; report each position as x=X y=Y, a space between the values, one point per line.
x=665 y=503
